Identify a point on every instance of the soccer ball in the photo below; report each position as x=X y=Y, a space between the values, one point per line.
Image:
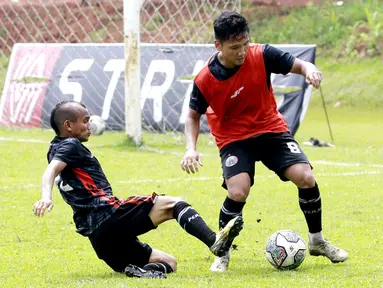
x=285 y=250
x=97 y=125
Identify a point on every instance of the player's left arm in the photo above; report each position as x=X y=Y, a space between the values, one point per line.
x=308 y=70
x=280 y=62
x=50 y=173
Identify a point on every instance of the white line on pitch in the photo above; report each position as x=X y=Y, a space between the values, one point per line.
x=207 y=179
x=219 y=178
x=39 y=141
x=315 y=162
x=323 y=162
x=23 y=140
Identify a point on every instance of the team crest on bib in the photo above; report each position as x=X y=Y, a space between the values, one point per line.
x=231 y=161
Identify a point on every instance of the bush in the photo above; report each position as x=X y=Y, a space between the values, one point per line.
x=366 y=37
x=352 y=29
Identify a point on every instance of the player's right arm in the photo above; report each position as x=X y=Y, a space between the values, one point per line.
x=50 y=173
x=197 y=106
x=189 y=162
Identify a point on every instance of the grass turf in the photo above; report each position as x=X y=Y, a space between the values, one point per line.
x=47 y=252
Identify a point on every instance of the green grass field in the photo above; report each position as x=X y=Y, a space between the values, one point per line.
x=46 y=252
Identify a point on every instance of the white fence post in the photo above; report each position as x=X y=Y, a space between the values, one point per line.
x=133 y=125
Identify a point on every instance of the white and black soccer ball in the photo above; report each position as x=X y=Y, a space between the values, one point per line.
x=285 y=250
x=97 y=125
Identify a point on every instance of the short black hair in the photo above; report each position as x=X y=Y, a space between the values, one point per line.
x=63 y=111
x=230 y=25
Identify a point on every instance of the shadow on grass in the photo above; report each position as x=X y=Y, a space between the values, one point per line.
x=269 y=271
x=99 y=275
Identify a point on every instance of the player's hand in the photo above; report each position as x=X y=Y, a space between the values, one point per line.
x=190 y=161
x=41 y=205
x=314 y=77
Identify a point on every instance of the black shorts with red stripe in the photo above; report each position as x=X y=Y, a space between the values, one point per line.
x=116 y=242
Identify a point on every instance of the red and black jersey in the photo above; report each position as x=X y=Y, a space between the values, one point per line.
x=241 y=100
x=83 y=184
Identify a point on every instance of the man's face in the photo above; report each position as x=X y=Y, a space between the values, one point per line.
x=80 y=129
x=233 y=51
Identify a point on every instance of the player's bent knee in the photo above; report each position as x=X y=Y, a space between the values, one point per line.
x=172 y=261
x=168 y=201
x=238 y=194
x=177 y=199
x=307 y=179
x=238 y=186
x=172 y=201
x=159 y=256
x=163 y=209
x=301 y=175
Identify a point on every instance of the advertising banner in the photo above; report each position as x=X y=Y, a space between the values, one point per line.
x=41 y=75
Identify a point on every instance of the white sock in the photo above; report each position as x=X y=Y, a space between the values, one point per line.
x=316 y=237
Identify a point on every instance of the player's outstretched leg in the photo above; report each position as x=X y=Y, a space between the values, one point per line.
x=224 y=238
x=137 y=272
x=325 y=248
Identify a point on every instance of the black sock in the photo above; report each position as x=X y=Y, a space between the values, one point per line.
x=193 y=223
x=311 y=206
x=158 y=266
x=229 y=210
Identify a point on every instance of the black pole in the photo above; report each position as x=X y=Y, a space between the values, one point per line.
x=325 y=111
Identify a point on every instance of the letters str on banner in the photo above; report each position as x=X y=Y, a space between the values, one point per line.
x=41 y=75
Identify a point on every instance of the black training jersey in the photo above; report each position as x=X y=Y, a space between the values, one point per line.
x=83 y=184
x=276 y=61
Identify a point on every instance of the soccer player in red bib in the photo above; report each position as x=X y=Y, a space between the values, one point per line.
x=111 y=224
x=234 y=91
